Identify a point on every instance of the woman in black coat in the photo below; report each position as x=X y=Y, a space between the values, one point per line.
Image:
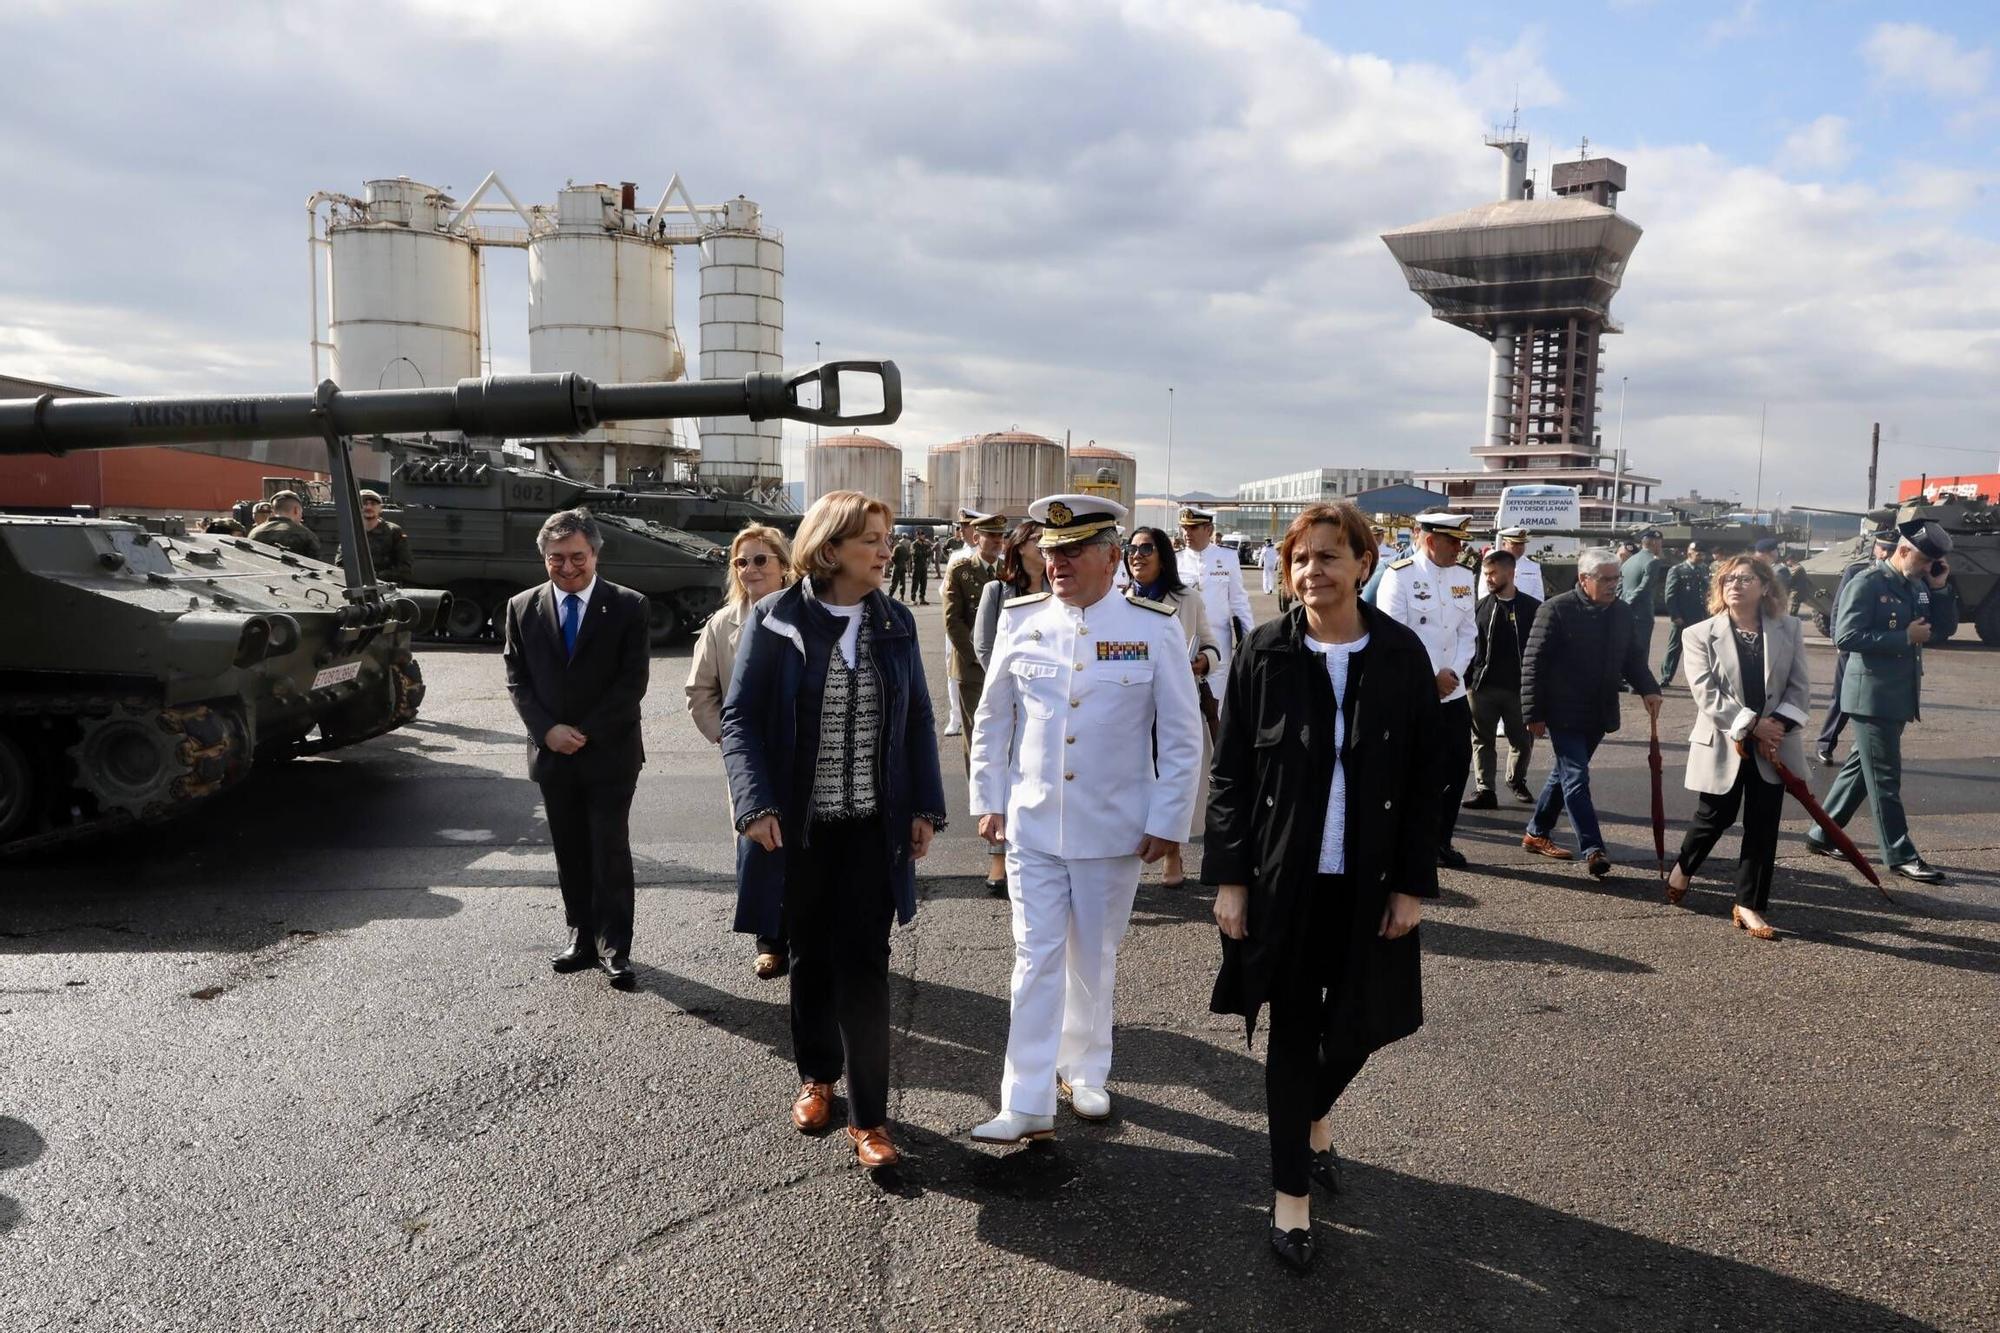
x=831 y=749
x=1322 y=842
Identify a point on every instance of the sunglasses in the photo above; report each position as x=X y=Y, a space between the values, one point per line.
x=1139 y=548
x=745 y=561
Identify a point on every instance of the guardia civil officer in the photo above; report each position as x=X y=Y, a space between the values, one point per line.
x=1881 y=547
x=1214 y=571
x=1084 y=752
x=1429 y=591
x=1885 y=618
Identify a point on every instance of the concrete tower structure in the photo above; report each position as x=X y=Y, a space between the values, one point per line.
x=1535 y=278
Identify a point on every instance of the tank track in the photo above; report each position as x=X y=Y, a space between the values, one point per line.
x=211 y=747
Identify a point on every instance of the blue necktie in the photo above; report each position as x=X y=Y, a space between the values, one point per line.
x=572 y=607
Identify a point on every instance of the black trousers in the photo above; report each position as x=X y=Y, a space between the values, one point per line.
x=1455 y=762
x=1762 y=803
x=838 y=910
x=590 y=823
x=1836 y=716
x=1302 y=1078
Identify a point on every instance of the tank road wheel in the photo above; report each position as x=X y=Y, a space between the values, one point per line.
x=1987 y=620
x=17 y=789
x=407 y=678
x=129 y=761
x=663 y=621
x=465 y=619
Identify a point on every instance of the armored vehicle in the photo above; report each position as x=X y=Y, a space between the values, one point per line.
x=143 y=672
x=472 y=519
x=1974 y=525
x=713 y=515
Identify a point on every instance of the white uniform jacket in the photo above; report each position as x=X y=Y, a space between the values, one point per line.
x=1219 y=575
x=1438 y=603
x=1088 y=736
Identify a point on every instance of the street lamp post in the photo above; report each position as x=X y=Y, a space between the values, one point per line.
x=1170 y=441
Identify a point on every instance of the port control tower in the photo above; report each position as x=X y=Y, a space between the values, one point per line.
x=1535 y=278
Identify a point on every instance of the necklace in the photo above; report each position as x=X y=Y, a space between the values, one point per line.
x=1749 y=637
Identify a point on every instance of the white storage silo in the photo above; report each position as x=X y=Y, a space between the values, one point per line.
x=404 y=292
x=601 y=304
x=855 y=462
x=1005 y=471
x=742 y=333
x=941 y=476
x=916 y=497
x=1094 y=470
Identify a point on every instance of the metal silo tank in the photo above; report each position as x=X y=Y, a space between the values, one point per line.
x=404 y=292
x=601 y=303
x=1094 y=470
x=1003 y=472
x=742 y=333
x=855 y=463
x=942 y=476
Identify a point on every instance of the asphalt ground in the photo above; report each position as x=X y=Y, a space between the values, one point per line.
x=298 y=1062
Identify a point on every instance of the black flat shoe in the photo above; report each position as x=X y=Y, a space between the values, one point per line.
x=1451 y=858
x=996 y=888
x=1521 y=793
x=1295 y=1249
x=1325 y=1170
x=618 y=968
x=1920 y=870
x=581 y=953
x=1480 y=800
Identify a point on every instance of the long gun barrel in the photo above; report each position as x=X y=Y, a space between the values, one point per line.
x=834 y=393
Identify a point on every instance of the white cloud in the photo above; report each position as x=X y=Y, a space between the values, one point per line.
x=1819 y=146
x=1046 y=212
x=1910 y=55
x=1738 y=22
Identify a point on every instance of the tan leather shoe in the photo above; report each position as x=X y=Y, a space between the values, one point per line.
x=872 y=1147
x=814 y=1107
x=1544 y=847
x=769 y=965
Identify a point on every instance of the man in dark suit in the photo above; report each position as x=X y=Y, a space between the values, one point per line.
x=576 y=670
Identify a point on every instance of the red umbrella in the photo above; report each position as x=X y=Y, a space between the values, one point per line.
x=1659 y=800
x=1835 y=834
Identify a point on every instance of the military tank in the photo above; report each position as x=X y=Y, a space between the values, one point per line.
x=145 y=671
x=472 y=518
x=1974 y=525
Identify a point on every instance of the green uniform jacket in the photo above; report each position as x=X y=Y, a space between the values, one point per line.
x=1687 y=592
x=389 y=551
x=1640 y=578
x=286 y=535
x=963 y=583
x=1885 y=672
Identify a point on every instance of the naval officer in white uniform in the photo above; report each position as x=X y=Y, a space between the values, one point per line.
x=1213 y=568
x=1085 y=751
x=1527 y=569
x=1433 y=594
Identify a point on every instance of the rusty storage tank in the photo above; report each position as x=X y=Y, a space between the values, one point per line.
x=1004 y=471
x=1107 y=472
x=941 y=479
x=855 y=462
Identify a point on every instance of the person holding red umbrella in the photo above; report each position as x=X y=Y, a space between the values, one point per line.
x=1747 y=672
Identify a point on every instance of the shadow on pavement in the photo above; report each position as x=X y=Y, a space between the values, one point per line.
x=20 y=1145
x=1501 y=946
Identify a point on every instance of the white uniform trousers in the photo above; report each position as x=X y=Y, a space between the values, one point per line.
x=955 y=720
x=1069 y=918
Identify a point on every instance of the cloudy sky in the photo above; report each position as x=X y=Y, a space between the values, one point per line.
x=1048 y=213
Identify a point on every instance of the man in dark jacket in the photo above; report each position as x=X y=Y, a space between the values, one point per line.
x=1687 y=604
x=576 y=670
x=1583 y=643
x=1504 y=618
x=1883 y=546
x=286 y=528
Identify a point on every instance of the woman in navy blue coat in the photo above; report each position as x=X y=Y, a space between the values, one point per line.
x=828 y=738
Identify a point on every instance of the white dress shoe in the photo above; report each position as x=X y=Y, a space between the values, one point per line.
x=1015 y=1127
x=1089 y=1103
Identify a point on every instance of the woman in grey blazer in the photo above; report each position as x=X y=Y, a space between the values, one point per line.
x=1747 y=671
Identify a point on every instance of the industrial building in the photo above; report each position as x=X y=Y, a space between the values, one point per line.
x=854 y=462
x=1000 y=472
x=1535 y=278
x=1287 y=496
x=1111 y=473
x=401 y=268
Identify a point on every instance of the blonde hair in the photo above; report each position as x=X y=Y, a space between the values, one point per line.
x=832 y=519
x=739 y=596
x=1772 y=601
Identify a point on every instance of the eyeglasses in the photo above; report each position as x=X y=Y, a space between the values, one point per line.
x=759 y=560
x=1740 y=580
x=579 y=561
x=1136 y=549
